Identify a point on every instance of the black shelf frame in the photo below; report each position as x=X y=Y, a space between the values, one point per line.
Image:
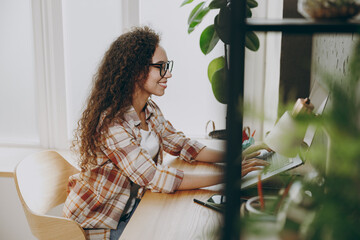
x=239 y=26
x=234 y=123
x=300 y=26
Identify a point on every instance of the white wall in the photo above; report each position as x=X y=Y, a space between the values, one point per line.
x=331 y=52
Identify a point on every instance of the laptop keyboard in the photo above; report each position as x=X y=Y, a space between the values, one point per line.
x=276 y=162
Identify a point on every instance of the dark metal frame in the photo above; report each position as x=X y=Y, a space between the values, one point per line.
x=234 y=124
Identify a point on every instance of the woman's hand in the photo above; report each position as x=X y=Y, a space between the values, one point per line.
x=252 y=164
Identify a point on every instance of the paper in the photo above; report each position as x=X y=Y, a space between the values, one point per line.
x=286 y=136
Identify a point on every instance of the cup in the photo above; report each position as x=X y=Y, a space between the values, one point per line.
x=267 y=221
x=253 y=206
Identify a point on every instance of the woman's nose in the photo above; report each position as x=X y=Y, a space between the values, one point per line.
x=168 y=74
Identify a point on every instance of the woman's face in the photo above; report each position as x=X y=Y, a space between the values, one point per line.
x=155 y=84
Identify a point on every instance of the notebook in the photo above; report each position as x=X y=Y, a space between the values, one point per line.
x=279 y=163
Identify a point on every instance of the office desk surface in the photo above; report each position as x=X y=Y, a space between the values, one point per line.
x=176 y=216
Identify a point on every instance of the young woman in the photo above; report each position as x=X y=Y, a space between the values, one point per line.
x=122 y=135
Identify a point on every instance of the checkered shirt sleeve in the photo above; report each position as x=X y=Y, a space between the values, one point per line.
x=175 y=142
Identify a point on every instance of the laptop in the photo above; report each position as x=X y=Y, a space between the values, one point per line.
x=278 y=163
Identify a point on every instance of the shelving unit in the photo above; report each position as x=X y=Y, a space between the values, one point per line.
x=239 y=26
x=301 y=26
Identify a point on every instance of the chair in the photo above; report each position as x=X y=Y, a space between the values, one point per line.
x=41 y=181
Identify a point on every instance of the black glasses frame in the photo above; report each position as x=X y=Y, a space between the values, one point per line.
x=164 y=67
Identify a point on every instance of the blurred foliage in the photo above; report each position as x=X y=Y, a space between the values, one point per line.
x=325 y=204
x=337 y=198
x=333 y=210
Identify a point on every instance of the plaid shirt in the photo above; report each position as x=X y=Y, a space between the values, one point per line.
x=96 y=198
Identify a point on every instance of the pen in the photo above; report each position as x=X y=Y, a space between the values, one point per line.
x=207 y=205
x=261 y=196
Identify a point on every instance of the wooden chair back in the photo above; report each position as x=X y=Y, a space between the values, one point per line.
x=41 y=180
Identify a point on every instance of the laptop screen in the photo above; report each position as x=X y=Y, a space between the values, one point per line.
x=319 y=97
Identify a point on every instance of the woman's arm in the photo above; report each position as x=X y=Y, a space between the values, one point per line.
x=194 y=181
x=210 y=155
x=214 y=156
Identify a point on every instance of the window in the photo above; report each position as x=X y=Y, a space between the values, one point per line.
x=18 y=121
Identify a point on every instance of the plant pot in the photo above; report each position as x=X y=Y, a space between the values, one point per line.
x=328 y=9
x=218 y=134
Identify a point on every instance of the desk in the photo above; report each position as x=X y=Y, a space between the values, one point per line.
x=175 y=216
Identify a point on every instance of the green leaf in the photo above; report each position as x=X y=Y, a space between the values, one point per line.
x=208 y=39
x=214 y=65
x=186 y=2
x=219 y=86
x=248 y=12
x=222 y=27
x=222 y=24
x=251 y=3
x=196 y=16
x=194 y=11
x=252 y=41
x=224 y=17
x=217 y=4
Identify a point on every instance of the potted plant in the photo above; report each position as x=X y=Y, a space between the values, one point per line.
x=217 y=32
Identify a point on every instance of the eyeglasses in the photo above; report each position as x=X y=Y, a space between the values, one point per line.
x=164 y=67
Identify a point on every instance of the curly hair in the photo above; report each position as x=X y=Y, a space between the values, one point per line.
x=125 y=64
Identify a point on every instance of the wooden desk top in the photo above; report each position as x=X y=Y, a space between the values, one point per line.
x=176 y=216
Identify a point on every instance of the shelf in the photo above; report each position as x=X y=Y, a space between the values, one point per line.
x=235 y=94
x=301 y=26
